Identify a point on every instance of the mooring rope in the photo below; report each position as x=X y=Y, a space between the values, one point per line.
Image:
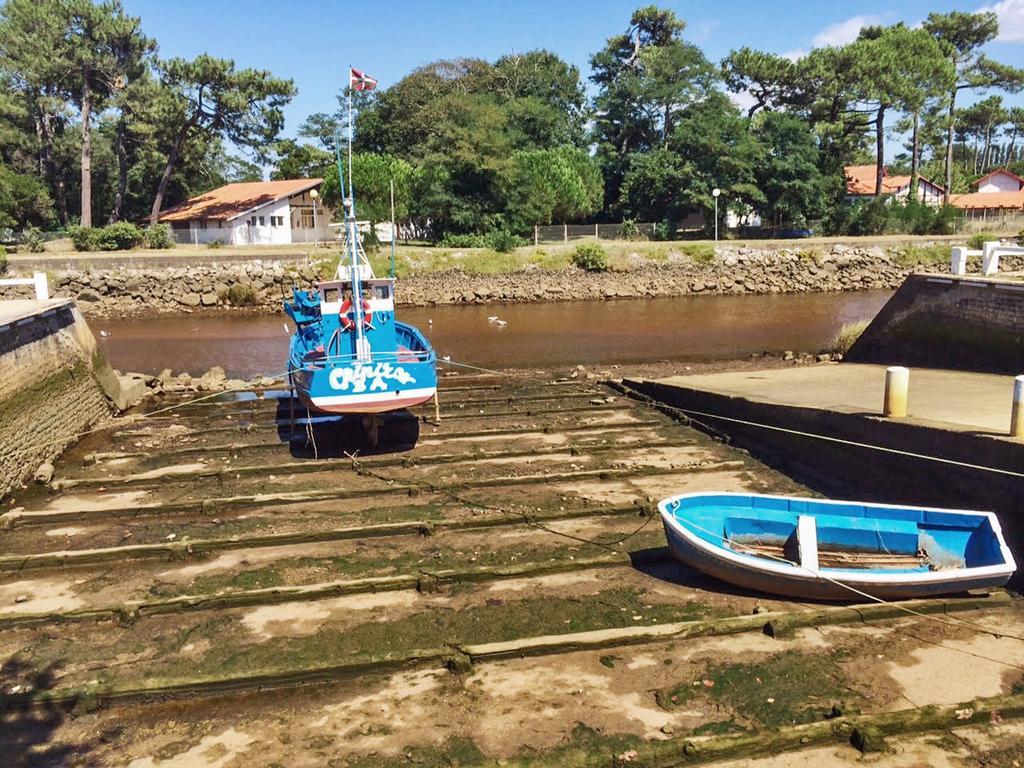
x=359 y=468
x=688 y=412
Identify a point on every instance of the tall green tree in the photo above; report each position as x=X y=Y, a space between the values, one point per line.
x=548 y=185
x=795 y=190
x=768 y=79
x=212 y=97
x=962 y=36
x=645 y=77
x=372 y=177
x=897 y=68
x=34 y=57
x=104 y=46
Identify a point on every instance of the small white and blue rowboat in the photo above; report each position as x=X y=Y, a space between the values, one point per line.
x=835 y=550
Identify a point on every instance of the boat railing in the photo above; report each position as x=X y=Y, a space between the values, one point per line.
x=402 y=356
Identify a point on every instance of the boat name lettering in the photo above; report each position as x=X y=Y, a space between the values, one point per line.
x=362 y=377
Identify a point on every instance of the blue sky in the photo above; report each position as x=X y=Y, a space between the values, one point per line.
x=314 y=41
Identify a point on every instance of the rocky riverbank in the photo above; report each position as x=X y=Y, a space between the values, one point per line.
x=260 y=285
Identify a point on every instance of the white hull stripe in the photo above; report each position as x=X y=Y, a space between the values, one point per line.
x=374 y=397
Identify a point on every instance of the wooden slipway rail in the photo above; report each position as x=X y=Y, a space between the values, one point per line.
x=549 y=480
x=449 y=655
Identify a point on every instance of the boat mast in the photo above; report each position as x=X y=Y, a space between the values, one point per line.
x=362 y=352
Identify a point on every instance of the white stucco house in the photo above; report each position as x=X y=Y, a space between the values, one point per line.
x=253 y=213
x=1000 y=180
x=1000 y=194
x=860 y=184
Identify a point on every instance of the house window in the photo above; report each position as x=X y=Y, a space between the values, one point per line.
x=277 y=221
x=252 y=221
x=306 y=219
x=263 y=220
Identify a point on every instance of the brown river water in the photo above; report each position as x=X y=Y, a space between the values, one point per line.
x=698 y=328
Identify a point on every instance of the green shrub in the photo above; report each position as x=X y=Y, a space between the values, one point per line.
x=241 y=295
x=504 y=241
x=81 y=238
x=947 y=221
x=218 y=243
x=591 y=257
x=630 y=231
x=119 y=236
x=123 y=234
x=3 y=259
x=499 y=240
x=978 y=240
x=34 y=240
x=451 y=240
x=159 y=236
x=702 y=254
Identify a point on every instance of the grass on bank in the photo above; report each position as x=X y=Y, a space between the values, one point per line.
x=847 y=336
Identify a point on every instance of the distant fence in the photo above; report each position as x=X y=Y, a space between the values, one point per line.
x=563 y=233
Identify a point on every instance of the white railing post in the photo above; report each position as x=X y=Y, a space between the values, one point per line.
x=42 y=286
x=990 y=258
x=958 y=264
x=565 y=233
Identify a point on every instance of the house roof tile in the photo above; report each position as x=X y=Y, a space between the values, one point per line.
x=234 y=200
x=978 y=200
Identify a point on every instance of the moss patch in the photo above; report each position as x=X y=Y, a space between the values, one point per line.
x=787 y=688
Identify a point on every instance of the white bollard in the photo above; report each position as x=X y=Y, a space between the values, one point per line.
x=958 y=265
x=897 y=383
x=42 y=286
x=1017 y=411
x=990 y=258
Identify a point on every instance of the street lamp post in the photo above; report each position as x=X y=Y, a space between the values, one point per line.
x=715 y=193
x=316 y=232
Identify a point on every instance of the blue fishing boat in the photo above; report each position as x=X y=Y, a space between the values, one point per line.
x=349 y=354
x=835 y=550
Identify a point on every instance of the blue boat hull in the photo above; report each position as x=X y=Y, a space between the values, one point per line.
x=720 y=535
x=383 y=384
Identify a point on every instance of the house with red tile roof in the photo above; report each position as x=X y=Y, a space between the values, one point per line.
x=253 y=213
x=1000 y=192
x=860 y=184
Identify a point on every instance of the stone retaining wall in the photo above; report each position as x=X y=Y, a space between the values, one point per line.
x=54 y=384
x=732 y=270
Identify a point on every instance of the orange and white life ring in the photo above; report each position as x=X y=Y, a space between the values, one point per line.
x=347 y=323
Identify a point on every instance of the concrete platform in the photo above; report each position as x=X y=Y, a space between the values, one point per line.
x=954 y=400
x=13 y=310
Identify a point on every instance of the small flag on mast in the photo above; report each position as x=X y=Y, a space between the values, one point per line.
x=360 y=81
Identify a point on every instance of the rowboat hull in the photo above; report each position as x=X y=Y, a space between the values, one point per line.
x=691 y=533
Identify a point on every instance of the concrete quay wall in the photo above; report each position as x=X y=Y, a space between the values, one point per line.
x=939 y=321
x=840 y=470
x=54 y=384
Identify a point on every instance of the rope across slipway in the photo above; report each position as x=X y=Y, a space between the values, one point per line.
x=685 y=414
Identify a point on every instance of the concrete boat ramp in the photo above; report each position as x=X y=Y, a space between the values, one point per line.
x=195 y=588
x=959 y=401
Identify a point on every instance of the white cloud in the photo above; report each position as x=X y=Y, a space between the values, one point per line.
x=701 y=30
x=793 y=55
x=1011 y=20
x=844 y=32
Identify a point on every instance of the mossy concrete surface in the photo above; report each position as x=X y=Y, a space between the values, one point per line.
x=502 y=595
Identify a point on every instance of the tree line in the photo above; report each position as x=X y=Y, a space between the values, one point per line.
x=95 y=126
